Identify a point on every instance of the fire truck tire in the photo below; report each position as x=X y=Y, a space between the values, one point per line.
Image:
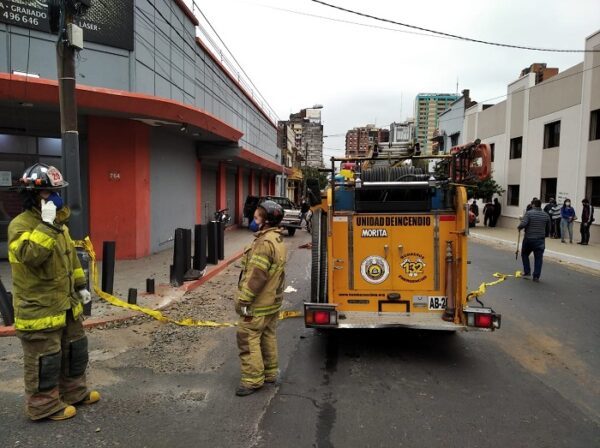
x=318 y=277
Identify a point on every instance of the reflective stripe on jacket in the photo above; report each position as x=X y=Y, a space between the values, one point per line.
x=261 y=282
x=45 y=271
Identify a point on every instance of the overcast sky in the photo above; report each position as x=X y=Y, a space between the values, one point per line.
x=368 y=75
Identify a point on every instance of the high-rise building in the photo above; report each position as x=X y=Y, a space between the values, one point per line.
x=428 y=107
x=542 y=72
x=309 y=135
x=363 y=141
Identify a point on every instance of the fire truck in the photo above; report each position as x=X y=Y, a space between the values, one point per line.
x=389 y=244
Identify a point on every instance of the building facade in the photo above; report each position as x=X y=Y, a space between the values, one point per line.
x=289 y=181
x=546 y=137
x=364 y=141
x=309 y=135
x=168 y=134
x=428 y=107
x=451 y=123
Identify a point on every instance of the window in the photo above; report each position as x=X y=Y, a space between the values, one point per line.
x=513 y=195
x=454 y=139
x=595 y=125
x=516 y=147
x=552 y=135
x=548 y=189
x=592 y=190
x=492 y=150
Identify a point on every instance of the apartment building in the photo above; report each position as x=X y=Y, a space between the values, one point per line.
x=546 y=137
x=428 y=107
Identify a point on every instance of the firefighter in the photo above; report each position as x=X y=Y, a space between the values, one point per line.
x=49 y=289
x=258 y=300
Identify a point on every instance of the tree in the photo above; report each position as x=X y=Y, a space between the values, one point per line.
x=310 y=172
x=485 y=189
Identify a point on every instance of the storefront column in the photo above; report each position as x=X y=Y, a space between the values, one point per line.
x=221 y=186
x=239 y=195
x=198 y=192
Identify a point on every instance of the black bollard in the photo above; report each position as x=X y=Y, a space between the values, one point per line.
x=108 y=266
x=213 y=243
x=221 y=241
x=132 y=296
x=187 y=245
x=179 y=258
x=150 y=286
x=6 y=306
x=199 y=247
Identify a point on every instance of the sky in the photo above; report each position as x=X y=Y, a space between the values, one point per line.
x=364 y=74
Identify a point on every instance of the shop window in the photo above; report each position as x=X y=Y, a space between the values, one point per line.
x=592 y=190
x=552 y=135
x=17 y=144
x=513 y=195
x=595 y=125
x=548 y=189
x=516 y=147
x=50 y=146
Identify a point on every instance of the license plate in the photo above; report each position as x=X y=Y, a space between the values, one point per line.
x=437 y=302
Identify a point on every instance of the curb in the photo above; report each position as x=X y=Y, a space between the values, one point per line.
x=558 y=256
x=186 y=287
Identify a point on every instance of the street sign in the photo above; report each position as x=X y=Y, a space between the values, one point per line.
x=109 y=22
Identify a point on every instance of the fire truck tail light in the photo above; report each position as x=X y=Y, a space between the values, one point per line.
x=479 y=317
x=320 y=315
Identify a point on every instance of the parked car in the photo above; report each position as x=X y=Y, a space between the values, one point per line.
x=291 y=216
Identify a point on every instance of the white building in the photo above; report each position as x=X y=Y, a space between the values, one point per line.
x=546 y=138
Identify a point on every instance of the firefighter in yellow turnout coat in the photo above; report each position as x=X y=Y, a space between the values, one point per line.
x=258 y=301
x=49 y=288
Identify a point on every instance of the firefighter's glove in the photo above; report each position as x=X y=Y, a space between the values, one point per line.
x=242 y=309
x=48 y=211
x=85 y=296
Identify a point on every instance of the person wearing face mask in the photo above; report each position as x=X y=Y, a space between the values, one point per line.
x=49 y=290
x=567 y=216
x=258 y=300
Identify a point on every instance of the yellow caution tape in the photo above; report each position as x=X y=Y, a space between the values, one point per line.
x=87 y=245
x=483 y=287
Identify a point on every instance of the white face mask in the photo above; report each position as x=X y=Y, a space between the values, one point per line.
x=568 y=204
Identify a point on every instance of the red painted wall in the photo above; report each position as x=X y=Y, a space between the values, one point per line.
x=221 y=186
x=119 y=170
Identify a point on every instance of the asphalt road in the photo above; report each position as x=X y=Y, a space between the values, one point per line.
x=534 y=383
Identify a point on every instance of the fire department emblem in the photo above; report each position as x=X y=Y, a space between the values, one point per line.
x=413 y=267
x=374 y=269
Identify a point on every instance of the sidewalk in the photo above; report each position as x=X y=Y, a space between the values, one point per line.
x=586 y=256
x=133 y=274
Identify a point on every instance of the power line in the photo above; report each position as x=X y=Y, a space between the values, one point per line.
x=367 y=25
x=448 y=35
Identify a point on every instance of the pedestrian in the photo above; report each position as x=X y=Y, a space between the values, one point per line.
x=587 y=218
x=258 y=300
x=497 y=212
x=555 y=215
x=535 y=223
x=548 y=210
x=567 y=216
x=49 y=290
x=488 y=213
x=529 y=206
x=475 y=209
x=304 y=208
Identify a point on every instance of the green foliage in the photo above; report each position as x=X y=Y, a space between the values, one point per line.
x=310 y=172
x=485 y=189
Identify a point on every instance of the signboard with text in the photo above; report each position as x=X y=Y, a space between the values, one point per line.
x=107 y=22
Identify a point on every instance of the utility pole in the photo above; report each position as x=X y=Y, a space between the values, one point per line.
x=70 y=40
